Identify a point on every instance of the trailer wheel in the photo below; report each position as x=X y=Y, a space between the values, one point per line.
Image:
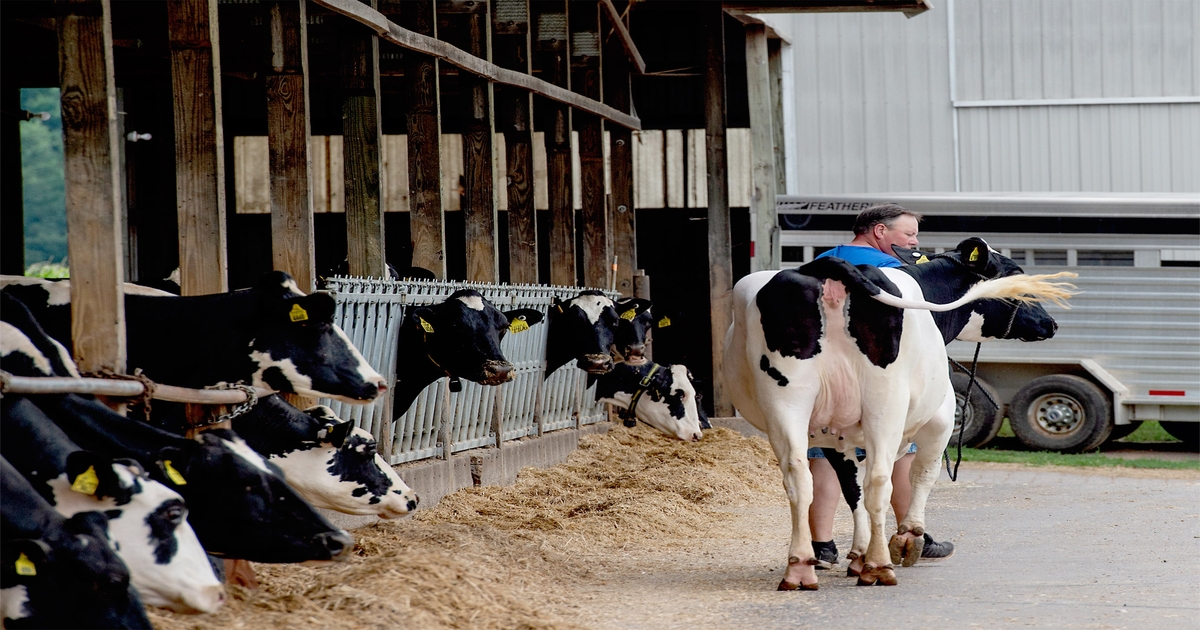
x=1061 y=412
x=1188 y=432
x=981 y=419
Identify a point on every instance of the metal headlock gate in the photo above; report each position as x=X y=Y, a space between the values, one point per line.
x=441 y=422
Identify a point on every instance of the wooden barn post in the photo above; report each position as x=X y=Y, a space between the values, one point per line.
x=361 y=143
x=554 y=55
x=511 y=39
x=288 y=138
x=426 y=217
x=585 y=80
x=720 y=269
x=617 y=69
x=775 y=64
x=199 y=145
x=93 y=184
x=762 y=154
x=479 y=194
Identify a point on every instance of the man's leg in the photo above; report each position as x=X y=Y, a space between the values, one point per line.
x=823 y=509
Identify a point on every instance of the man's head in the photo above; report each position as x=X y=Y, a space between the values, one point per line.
x=885 y=225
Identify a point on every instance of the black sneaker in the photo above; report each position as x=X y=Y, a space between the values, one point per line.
x=826 y=553
x=936 y=550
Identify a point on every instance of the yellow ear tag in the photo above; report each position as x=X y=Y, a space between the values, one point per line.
x=922 y=260
x=86 y=482
x=426 y=326
x=974 y=255
x=518 y=325
x=173 y=474
x=664 y=322
x=25 y=566
x=298 y=314
x=630 y=314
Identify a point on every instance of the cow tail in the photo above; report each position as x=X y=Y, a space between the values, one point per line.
x=1022 y=288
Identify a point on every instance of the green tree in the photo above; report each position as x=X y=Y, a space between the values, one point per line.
x=42 y=178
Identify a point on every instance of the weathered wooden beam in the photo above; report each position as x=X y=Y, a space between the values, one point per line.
x=775 y=64
x=554 y=58
x=463 y=59
x=631 y=51
x=426 y=218
x=93 y=184
x=12 y=213
x=361 y=141
x=585 y=79
x=720 y=268
x=288 y=138
x=762 y=154
x=514 y=107
x=199 y=145
x=623 y=227
x=479 y=192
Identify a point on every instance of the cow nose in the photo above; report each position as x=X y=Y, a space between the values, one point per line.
x=208 y=599
x=412 y=503
x=382 y=387
x=338 y=544
x=496 y=372
x=696 y=436
x=596 y=363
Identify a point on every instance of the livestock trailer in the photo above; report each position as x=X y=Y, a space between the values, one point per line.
x=1128 y=349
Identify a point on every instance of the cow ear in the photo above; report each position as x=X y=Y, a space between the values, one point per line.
x=629 y=308
x=92 y=474
x=175 y=465
x=424 y=319
x=311 y=309
x=323 y=414
x=974 y=253
x=336 y=434
x=521 y=319
x=911 y=256
x=24 y=558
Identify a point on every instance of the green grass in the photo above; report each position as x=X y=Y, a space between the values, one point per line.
x=1043 y=458
x=48 y=269
x=1150 y=431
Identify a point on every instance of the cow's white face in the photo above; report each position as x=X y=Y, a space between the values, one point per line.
x=670 y=408
x=151 y=535
x=351 y=477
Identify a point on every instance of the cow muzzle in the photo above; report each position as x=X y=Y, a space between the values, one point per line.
x=595 y=363
x=339 y=544
x=635 y=354
x=497 y=372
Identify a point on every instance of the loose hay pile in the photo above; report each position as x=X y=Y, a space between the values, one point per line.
x=497 y=557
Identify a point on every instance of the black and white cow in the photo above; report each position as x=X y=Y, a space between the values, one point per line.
x=838 y=356
x=146 y=520
x=59 y=572
x=329 y=462
x=460 y=338
x=633 y=328
x=662 y=396
x=584 y=329
x=271 y=336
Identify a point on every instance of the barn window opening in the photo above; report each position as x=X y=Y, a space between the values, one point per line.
x=43 y=185
x=793 y=254
x=1094 y=258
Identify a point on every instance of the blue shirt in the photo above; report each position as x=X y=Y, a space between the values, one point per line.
x=858 y=255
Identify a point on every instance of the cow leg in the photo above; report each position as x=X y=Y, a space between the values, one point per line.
x=931 y=440
x=850 y=472
x=877 y=493
x=789 y=440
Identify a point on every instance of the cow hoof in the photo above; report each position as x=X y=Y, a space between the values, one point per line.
x=854 y=569
x=905 y=548
x=872 y=575
x=785 y=585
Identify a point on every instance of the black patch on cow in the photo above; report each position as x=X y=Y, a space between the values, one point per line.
x=275 y=379
x=765 y=366
x=163 y=522
x=875 y=326
x=791 y=316
x=355 y=462
x=847 y=474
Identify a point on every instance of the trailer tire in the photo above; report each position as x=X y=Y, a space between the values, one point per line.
x=1062 y=413
x=982 y=419
x=1188 y=432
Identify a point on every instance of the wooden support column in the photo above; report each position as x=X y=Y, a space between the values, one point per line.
x=514 y=108
x=361 y=141
x=775 y=67
x=720 y=268
x=199 y=145
x=585 y=80
x=623 y=228
x=479 y=194
x=554 y=51
x=426 y=217
x=93 y=184
x=762 y=154
x=288 y=144
x=12 y=211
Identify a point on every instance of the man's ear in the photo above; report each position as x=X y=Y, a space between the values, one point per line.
x=974 y=253
x=911 y=256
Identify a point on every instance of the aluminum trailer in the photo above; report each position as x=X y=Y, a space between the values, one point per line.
x=1129 y=348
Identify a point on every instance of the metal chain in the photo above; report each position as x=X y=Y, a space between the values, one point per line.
x=238 y=409
x=148 y=386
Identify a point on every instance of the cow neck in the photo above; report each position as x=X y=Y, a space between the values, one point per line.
x=165 y=341
x=273 y=424
x=944 y=280
x=415 y=369
x=95 y=427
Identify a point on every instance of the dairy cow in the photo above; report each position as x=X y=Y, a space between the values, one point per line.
x=459 y=338
x=330 y=462
x=836 y=356
x=584 y=329
x=271 y=336
x=59 y=572
x=662 y=396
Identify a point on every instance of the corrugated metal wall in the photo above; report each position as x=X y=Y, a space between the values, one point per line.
x=874 y=98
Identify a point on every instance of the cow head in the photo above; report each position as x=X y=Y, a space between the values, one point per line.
x=635 y=322
x=667 y=402
x=983 y=320
x=296 y=347
x=582 y=328
x=329 y=462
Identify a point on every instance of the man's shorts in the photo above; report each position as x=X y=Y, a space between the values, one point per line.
x=816 y=453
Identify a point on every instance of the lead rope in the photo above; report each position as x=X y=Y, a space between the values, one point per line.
x=962 y=417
